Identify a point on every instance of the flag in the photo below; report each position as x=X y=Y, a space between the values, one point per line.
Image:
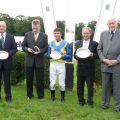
x=106 y=12
x=69 y=31
x=69 y=23
x=48 y=18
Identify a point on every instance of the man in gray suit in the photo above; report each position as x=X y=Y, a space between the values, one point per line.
x=109 y=53
x=34 y=45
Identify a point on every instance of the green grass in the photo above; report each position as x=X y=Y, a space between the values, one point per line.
x=35 y=109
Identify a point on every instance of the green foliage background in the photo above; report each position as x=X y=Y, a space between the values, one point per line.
x=21 y=24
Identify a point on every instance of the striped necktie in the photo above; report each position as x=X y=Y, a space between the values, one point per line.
x=2 y=40
x=112 y=35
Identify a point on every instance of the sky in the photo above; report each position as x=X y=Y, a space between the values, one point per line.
x=81 y=10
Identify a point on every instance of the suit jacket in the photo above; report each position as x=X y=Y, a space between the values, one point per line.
x=86 y=66
x=41 y=43
x=10 y=47
x=108 y=49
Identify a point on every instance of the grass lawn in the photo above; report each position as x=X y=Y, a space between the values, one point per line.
x=35 y=109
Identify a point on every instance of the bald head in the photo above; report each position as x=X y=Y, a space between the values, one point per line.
x=112 y=24
x=2 y=27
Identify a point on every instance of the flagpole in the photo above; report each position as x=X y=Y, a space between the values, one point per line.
x=43 y=15
x=98 y=18
x=53 y=13
x=114 y=8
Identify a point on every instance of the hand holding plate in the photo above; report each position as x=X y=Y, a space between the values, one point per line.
x=36 y=50
x=4 y=55
x=83 y=52
x=30 y=50
x=55 y=55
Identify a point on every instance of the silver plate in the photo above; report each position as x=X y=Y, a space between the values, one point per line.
x=3 y=55
x=83 y=53
x=55 y=55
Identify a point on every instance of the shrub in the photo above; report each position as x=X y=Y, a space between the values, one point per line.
x=46 y=72
x=18 y=70
x=17 y=75
x=98 y=72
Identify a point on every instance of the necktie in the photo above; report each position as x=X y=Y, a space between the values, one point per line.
x=35 y=36
x=85 y=44
x=2 y=40
x=112 y=35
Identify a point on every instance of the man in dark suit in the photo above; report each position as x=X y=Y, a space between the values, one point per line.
x=86 y=67
x=7 y=43
x=109 y=53
x=34 y=58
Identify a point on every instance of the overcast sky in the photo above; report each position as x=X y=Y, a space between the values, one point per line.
x=82 y=10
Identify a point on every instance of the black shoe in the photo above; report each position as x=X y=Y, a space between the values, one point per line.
x=81 y=103
x=90 y=105
x=53 y=95
x=62 y=96
x=30 y=96
x=62 y=99
x=117 y=110
x=105 y=107
x=8 y=99
x=52 y=98
x=40 y=97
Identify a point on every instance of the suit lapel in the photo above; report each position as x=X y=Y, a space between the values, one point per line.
x=90 y=45
x=32 y=37
x=108 y=41
x=116 y=35
x=6 y=38
x=81 y=43
x=39 y=37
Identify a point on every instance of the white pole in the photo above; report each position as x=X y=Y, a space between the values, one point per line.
x=48 y=18
x=114 y=8
x=106 y=12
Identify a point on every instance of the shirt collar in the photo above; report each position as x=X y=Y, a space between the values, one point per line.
x=86 y=40
x=3 y=34
x=113 y=31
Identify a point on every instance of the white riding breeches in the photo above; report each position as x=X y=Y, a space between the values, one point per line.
x=57 y=70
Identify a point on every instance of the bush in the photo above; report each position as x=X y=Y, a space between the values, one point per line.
x=46 y=72
x=18 y=71
x=98 y=72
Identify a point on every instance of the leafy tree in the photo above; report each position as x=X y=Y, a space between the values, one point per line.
x=118 y=24
x=78 y=31
x=61 y=24
x=92 y=25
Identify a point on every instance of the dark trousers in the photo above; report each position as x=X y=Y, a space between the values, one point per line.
x=39 y=73
x=80 y=88
x=6 y=78
x=69 y=77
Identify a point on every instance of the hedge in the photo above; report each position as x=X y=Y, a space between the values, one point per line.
x=18 y=70
x=98 y=72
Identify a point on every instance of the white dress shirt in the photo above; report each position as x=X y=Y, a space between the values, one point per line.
x=36 y=36
x=4 y=35
x=86 y=43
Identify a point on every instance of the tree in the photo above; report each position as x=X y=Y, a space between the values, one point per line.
x=20 y=17
x=61 y=24
x=78 y=31
x=92 y=25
